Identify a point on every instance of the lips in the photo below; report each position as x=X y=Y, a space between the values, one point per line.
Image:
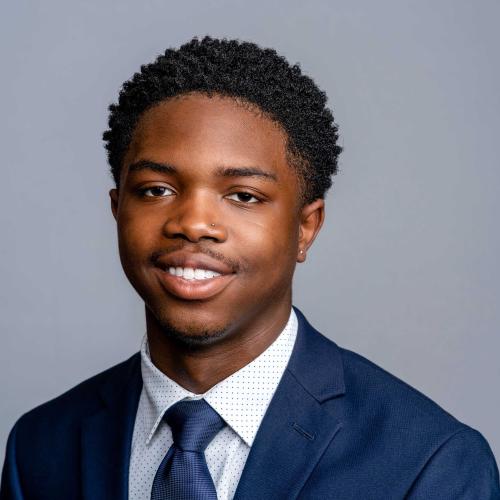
x=215 y=277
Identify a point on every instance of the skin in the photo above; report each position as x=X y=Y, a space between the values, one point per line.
x=260 y=228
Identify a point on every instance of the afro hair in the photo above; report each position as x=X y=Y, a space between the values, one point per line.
x=248 y=73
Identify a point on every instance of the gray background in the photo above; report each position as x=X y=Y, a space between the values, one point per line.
x=405 y=270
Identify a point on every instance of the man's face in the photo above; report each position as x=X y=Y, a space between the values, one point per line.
x=209 y=217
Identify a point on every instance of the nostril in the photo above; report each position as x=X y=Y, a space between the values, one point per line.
x=190 y=229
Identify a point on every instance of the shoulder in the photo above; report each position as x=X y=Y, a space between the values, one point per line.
x=369 y=386
x=397 y=410
x=421 y=434
x=43 y=449
x=391 y=430
x=368 y=394
x=78 y=402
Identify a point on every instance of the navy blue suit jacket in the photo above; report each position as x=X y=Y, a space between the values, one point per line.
x=338 y=427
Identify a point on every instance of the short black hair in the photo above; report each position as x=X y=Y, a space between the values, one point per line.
x=248 y=73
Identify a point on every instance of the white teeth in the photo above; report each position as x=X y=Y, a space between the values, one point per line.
x=199 y=274
x=188 y=273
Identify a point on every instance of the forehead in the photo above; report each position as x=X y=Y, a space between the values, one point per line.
x=209 y=131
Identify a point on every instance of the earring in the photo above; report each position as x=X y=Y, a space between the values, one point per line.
x=301 y=252
x=213 y=225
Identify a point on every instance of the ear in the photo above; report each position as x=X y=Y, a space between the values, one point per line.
x=311 y=220
x=113 y=194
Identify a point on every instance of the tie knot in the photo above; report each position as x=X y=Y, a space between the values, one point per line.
x=194 y=424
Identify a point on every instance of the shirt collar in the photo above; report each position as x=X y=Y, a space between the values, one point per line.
x=255 y=384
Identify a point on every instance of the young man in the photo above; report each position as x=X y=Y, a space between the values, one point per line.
x=222 y=153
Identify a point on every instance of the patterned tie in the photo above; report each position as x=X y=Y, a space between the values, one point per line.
x=183 y=474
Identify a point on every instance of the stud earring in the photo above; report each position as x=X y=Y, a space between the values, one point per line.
x=213 y=225
x=301 y=252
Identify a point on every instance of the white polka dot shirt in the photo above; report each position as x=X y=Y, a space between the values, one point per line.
x=241 y=400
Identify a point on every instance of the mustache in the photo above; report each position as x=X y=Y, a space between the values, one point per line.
x=233 y=264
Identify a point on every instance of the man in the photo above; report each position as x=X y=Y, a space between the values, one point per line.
x=221 y=154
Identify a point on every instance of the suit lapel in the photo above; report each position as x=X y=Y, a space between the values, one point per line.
x=107 y=436
x=299 y=423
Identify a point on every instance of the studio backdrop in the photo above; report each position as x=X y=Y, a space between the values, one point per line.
x=405 y=270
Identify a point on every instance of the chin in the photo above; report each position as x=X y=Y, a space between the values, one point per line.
x=191 y=333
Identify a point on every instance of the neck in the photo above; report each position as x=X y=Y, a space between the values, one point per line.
x=199 y=369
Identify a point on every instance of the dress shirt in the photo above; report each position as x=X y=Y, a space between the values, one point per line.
x=240 y=399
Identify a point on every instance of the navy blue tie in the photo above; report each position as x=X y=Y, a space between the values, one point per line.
x=183 y=474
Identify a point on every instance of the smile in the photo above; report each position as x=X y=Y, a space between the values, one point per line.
x=188 y=273
x=189 y=283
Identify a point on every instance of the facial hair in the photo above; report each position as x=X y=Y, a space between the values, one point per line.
x=187 y=338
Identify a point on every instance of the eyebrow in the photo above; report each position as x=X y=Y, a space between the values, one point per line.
x=162 y=168
x=165 y=168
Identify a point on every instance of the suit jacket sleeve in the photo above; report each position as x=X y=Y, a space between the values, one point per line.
x=463 y=467
x=10 y=487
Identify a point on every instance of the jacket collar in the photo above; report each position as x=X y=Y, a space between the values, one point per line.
x=316 y=363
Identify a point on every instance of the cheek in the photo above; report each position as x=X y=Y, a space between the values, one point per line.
x=269 y=245
x=136 y=237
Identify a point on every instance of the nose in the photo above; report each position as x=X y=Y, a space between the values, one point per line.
x=194 y=217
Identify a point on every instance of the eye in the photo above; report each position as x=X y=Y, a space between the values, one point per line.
x=156 y=192
x=243 y=197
